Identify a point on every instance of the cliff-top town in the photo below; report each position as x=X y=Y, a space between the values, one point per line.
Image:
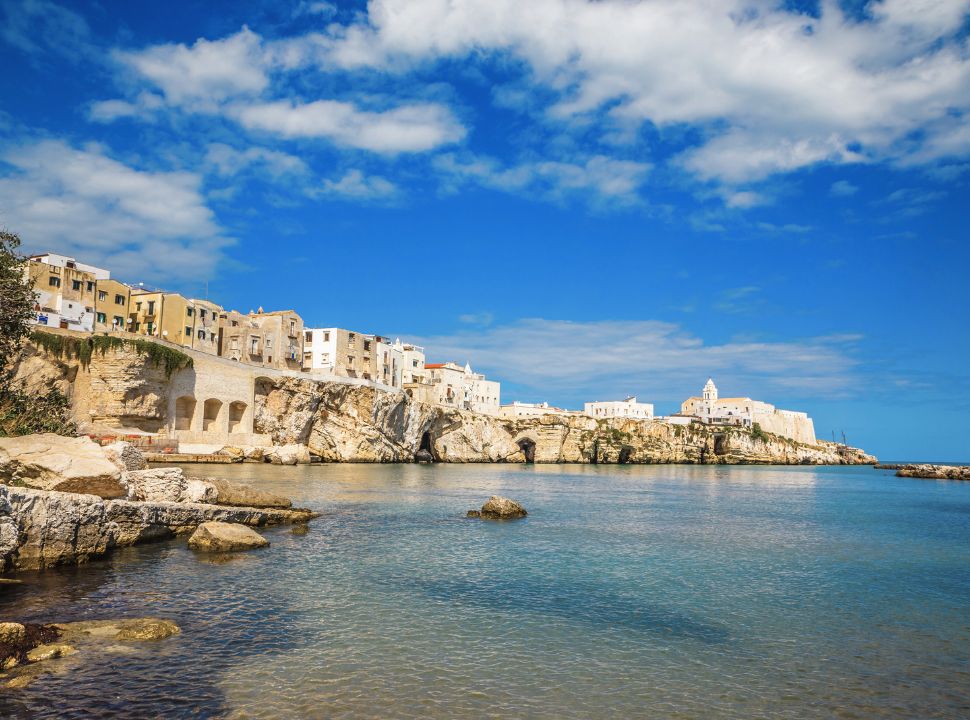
x=72 y=295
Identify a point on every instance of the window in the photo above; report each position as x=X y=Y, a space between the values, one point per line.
x=151 y=307
x=326 y=337
x=202 y=313
x=119 y=321
x=138 y=306
x=235 y=323
x=102 y=318
x=350 y=359
x=254 y=346
x=366 y=344
x=151 y=328
x=188 y=331
x=120 y=300
x=54 y=281
x=75 y=284
x=269 y=359
x=189 y=312
x=90 y=286
x=292 y=327
x=308 y=337
x=269 y=343
x=201 y=334
x=102 y=296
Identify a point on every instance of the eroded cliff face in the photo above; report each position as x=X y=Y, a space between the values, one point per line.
x=352 y=423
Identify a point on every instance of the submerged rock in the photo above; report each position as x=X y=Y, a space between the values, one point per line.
x=502 y=508
x=132 y=629
x=225 y=537
x=50 y=651
x=64 y=464
x=473 y=514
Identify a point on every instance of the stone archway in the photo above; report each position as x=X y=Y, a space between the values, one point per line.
x=211 y=415
x=237 y=412
x=528 y=447
x=184 y=412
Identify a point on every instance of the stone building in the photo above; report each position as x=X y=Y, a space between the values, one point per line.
x=629 y=408
x=111 y=306
x=743 y=411
x=172 y=317
x=460 y=387
x=519 y=410
x=344 y=353
x=267 y=339
x=66 y=291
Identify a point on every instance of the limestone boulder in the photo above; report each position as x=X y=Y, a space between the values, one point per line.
x=53 y=462
x=502 y=508
x=130 y=629
x=156 y=485
x=198 y=490
x=11 y=633
x=225 y=537
x=289 y=455
x=227 y=493
x=125 y=456
x=50 y=651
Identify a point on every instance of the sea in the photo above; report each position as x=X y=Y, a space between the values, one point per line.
x=629 y=591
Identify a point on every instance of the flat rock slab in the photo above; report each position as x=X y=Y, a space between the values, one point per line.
x=137 y=629
x=65 y=464
x=225 y=537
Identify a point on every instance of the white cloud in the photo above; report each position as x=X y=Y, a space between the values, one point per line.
x=658 y=360
x=82 y=202
x=41 y=26
x=407 y=128
x=208 y=72
x=354 y=184
x=608 y=178
x=226 y=161
x=781 y=90
x=107 y=111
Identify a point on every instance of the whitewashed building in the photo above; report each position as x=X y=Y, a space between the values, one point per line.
x=65 y=291
x=460 y=387
x=628 y=409
x=518 y=410
x=744 y=412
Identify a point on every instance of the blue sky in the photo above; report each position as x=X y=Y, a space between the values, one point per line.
x=584 y=200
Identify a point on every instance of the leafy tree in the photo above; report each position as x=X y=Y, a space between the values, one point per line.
x=16 y=298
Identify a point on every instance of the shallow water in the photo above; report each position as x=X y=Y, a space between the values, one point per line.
x=657 y=591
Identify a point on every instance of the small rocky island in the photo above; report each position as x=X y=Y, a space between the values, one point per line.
x=934 y=472
x=499 y=508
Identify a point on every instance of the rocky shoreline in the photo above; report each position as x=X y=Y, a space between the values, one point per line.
x=41 y=525
x=934 y=472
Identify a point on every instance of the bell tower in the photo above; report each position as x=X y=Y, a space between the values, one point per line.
x=710 y=391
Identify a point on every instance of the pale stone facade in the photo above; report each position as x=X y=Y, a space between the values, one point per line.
x=518 y=410
x=111 y=306
x=347 y=353
x=459 y=387
x=264 y=339
x=745 y=412
x=628 y=409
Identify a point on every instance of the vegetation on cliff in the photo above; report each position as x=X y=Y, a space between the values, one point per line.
x=81 y=349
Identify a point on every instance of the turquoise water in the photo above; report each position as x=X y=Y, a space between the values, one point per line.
x=656 y=591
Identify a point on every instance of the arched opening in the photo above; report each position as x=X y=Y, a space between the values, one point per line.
x=625 y=453
x=184 y=412
x=210 y=414
x=237 y=410
x=528 y=448
x=720 y=444
x=425 y=451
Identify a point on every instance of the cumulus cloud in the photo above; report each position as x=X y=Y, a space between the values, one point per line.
x=779 y=89
x=406 y=128
x=204 y=73
x=843 y=188
x=82 y=202
x=658 y=360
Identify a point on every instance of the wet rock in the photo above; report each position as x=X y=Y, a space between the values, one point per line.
x=935 y=472
x=125 y=456
x=501 y=508
x=50 y=651
x=288 y=455
x=473 y=514
x=227 y=493
x=136 y=629
x=52 y=462
x=300 y=529
x=225 y=537
x=423 y=456
x=12 y=633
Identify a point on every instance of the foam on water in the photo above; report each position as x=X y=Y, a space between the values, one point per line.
x=678 y=592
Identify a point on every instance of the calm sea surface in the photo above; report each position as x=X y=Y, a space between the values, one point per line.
x=658 y=591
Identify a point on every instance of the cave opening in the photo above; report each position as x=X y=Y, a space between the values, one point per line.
x=625 y=453
x=720 y=444
x=528 y=448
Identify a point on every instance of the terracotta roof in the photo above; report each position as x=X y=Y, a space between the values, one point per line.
x=433 y=366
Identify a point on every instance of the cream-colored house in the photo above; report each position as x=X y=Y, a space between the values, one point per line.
x=460 y=387
x=267 y=339
x=66 y=291
x=518 y=410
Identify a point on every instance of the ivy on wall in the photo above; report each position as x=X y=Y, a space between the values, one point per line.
x=81 y=349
